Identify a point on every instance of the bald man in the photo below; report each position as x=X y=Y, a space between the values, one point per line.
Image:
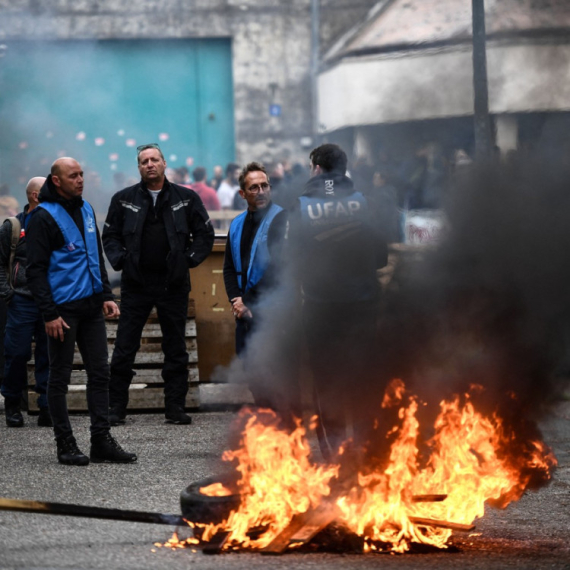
x=67 y=277
x=24 y=321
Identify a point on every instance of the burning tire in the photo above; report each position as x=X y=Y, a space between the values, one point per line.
x=200 y=508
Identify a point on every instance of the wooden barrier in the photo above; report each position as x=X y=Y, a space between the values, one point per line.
x=147 y=388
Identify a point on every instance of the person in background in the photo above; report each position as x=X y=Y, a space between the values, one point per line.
x=155 y=232
x=217 y=178
x=67 y=277
x=229 y=186
x=24 y=321
x=207 y=194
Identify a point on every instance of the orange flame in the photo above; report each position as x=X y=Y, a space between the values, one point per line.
x=471 y=463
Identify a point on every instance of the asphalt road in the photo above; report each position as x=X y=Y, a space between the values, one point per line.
x=533 y=533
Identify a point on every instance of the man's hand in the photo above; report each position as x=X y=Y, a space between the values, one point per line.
x=56 y=328
x=239 y=310
x=111 y=310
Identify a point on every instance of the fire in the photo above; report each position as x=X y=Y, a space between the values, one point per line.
x=471 y=463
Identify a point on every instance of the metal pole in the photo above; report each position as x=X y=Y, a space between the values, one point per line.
x=315 y=53
x=483 y=139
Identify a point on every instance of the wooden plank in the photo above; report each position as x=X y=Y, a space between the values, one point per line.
x=441 y=524
x=302 y=528
x=150 y=353
x=147 y=376
x=140 y=398
x=151 y=330
x=153 y=316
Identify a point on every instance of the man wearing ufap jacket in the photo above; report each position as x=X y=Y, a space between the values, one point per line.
x=67 y=277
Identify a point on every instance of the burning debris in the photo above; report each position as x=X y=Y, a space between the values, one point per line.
x=418 y=494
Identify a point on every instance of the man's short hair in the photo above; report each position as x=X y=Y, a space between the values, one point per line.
x=144 y=147
x=330 y=157
x=251 y=167
x=199 y=174
x=231 y=168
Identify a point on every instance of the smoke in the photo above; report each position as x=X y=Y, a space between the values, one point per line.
x=489 y=306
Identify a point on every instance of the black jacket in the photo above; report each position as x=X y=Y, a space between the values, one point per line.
x=338 y=262
x=19 y=264
x=189 y=230
x=43 y=236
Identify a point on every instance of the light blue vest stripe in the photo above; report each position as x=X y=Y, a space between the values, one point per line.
x=74 y=271
x=259 y=258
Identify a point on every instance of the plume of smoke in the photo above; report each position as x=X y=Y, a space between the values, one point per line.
x=488 y=306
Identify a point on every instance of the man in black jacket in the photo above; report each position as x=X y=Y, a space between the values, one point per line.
x=67 y=277
x=337 y=247
x=154 y=232
x=24 y=321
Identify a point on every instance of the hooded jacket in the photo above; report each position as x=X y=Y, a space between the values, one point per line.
x=44 y=237
x=337 y=242
x=188 y=228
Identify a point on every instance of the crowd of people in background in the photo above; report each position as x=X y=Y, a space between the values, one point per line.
x=377 y=190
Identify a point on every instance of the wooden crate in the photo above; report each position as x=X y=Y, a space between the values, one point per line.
x=147 y=388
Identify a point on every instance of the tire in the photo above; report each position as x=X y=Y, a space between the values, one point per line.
x=199 y=508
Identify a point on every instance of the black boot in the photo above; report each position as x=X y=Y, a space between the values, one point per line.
x=104 y=449
x=176 y=415
x=14 y=417
x=117 y=415
x=44 y=418
x=68 y=453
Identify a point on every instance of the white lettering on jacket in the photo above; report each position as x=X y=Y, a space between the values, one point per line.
x=333 y=210
x=180 y=204
x=130 y=206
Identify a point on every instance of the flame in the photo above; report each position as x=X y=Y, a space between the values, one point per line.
x=473 y=460
x=215 y=490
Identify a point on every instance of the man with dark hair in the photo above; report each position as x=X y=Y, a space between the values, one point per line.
x=207 y=195
x=336 y=250
x=253 y=241
x=24 y=320
x=155 y=232
x=67 y=277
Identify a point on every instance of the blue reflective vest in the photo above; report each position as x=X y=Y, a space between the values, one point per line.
x=259 y=258
x=74 y=271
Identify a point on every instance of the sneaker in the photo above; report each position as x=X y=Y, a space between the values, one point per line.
x=104 y=449
x=14 y=417
x=177 y=416
x=117 y=416
x=68 y=453
x=44 y=418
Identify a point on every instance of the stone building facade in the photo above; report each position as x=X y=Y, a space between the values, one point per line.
x=271 y=51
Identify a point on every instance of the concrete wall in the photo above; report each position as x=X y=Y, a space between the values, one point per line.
x=270 y=41
x=523 y=77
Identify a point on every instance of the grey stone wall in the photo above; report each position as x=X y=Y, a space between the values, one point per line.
x=271 y=48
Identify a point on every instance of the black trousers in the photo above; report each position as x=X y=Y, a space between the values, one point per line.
x=88 y=331
x=341 y=340
x=136 y=305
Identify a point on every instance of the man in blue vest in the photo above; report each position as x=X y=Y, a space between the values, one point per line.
x=67 y=277
x=253 y=242
x=336 y=248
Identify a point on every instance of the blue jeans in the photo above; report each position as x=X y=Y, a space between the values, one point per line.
x=24 y=324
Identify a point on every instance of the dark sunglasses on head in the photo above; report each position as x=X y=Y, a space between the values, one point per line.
x=145 y=146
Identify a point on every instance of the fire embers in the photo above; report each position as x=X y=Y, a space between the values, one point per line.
x=408 y=496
